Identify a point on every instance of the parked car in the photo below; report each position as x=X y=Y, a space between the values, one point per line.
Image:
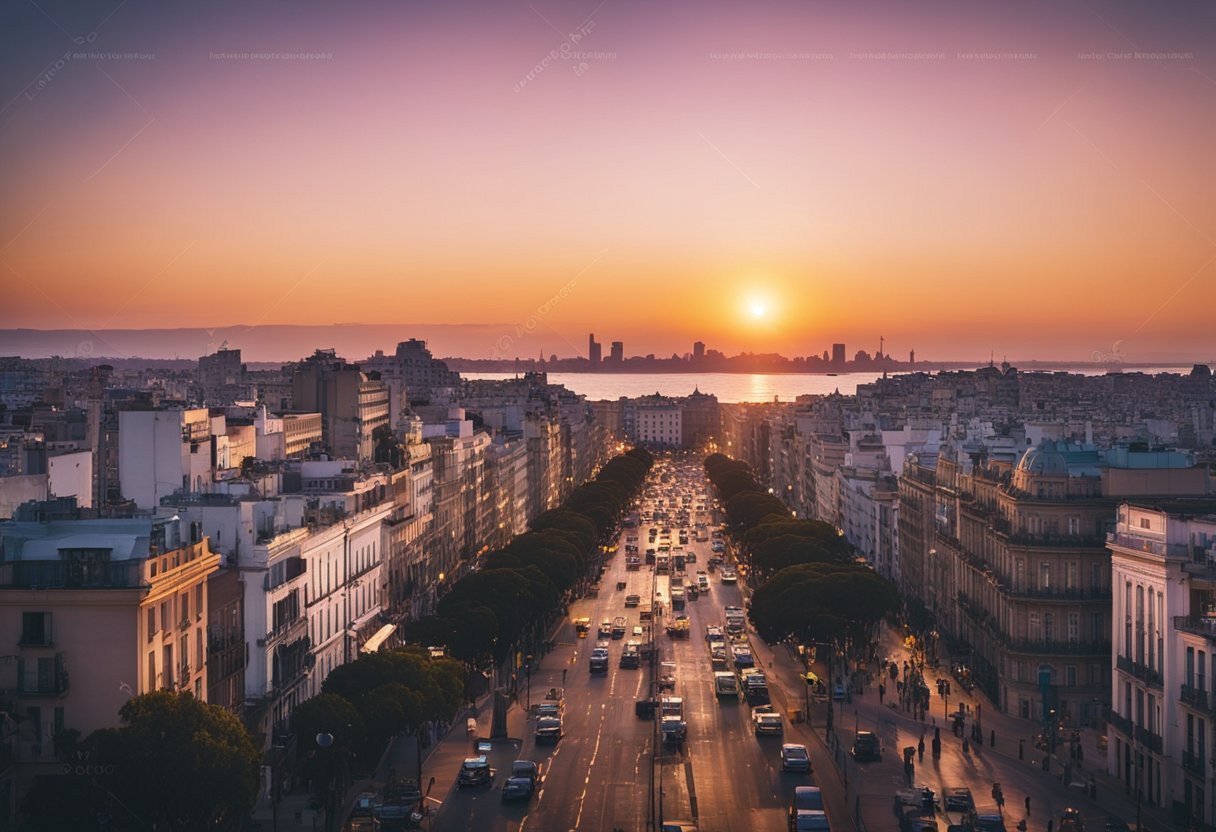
x=810 y=820
x=548 y=730
x=475 y=771
x=794 y=757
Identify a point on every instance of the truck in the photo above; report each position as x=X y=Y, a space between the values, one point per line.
x=680 y=627
x=618 y=627
x=677 y=598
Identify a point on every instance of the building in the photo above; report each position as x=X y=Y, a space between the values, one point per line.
x=289 y=436
x=618 y=352
x=1018 y=573
x=96 y=612
x=352 y=404
x=838 y=356
x=698 y=352
x=594 y=351
x=1161 y=738
x=221 y=378
x=422 y=378
x=163 y=451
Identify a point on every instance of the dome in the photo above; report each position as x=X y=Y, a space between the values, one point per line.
x=1043 y=459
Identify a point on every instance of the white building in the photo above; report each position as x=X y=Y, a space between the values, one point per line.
x=659 y=423
x=1163 y=571
x=161 y=452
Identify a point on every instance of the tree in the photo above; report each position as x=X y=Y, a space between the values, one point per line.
x=329 y=713
x=823 y=602
x=180 y=763
x=777 y=553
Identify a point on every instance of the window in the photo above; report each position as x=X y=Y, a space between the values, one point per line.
x=1095 y=627
x=198 y=647
x=1070 y=674
x=1036 y=633
x=151 y=623
x=167 y=676
x=166 y=623
x=1190 y=667
x=151 y=685
x=1144 y=523
x=1049 y=627
x=1074 y=627
x=1201 y=665
x=198 y=601
x=185 y=605
x=36 y=628
x=1045 y=576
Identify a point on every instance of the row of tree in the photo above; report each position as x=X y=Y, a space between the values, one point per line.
x=810 y=586
x=519 y=588
x=365 y=703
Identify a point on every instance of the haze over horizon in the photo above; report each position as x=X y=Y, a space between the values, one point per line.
x=1032 y=180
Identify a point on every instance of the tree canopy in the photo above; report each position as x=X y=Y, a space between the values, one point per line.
x=825 y=602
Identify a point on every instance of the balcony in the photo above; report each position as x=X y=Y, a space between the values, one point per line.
x=1059 y=593
x=1195 y=698
x=1141 y=671
x=1200 y=625
x=1060 y=648
x=48 y=681
x=1148 y=739
x=1121 y=723
x=1193 y=763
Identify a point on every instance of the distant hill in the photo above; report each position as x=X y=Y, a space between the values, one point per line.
x=272 y=343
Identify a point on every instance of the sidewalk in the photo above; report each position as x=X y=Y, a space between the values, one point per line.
x=1113 y=799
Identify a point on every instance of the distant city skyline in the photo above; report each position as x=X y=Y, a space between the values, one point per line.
x=271 y=343
x=1030 y=179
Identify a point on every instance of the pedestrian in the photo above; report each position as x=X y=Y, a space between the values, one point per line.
x=1051 y=824
x=882 y=691
x=920 y=748
x=563 y=676
x=1027 y=805
x=992 y=738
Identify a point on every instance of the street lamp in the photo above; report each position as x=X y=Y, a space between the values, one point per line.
x=325 y=741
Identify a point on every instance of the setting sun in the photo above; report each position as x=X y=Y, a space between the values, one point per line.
x=758 y=310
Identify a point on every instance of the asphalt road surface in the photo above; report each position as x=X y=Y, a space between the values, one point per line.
x=600 y=775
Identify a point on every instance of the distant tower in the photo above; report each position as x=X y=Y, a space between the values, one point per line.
x=838 y=356
x=698 y=350
x=594 y=351
x=618 y=352
x=911 y=358
x=881 y=341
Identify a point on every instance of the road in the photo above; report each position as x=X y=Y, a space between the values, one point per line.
x=599 y=776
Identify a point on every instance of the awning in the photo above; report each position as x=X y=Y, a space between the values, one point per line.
x=377 y=641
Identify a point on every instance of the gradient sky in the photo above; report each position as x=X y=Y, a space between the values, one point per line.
x=847 y=170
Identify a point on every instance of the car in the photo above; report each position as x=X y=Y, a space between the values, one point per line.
x=714 y=633
x=638 y=632
x=630 y=660
x=867 y=748
x=810 y=820
x=806 y=797
x=633 y=600
x=767 y=724
x=522 y=783
x=729 y=576
x=548 y=730
x=678 y=826
x=957 y=799
x=475 y=771
x=794 y=757
x=743 y=656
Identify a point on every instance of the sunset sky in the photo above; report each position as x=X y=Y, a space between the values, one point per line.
x=1030 y=178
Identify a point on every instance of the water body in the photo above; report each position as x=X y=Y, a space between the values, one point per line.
x=728 y=387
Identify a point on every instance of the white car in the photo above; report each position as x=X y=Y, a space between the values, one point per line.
x=729 y=576
x=767 y=723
